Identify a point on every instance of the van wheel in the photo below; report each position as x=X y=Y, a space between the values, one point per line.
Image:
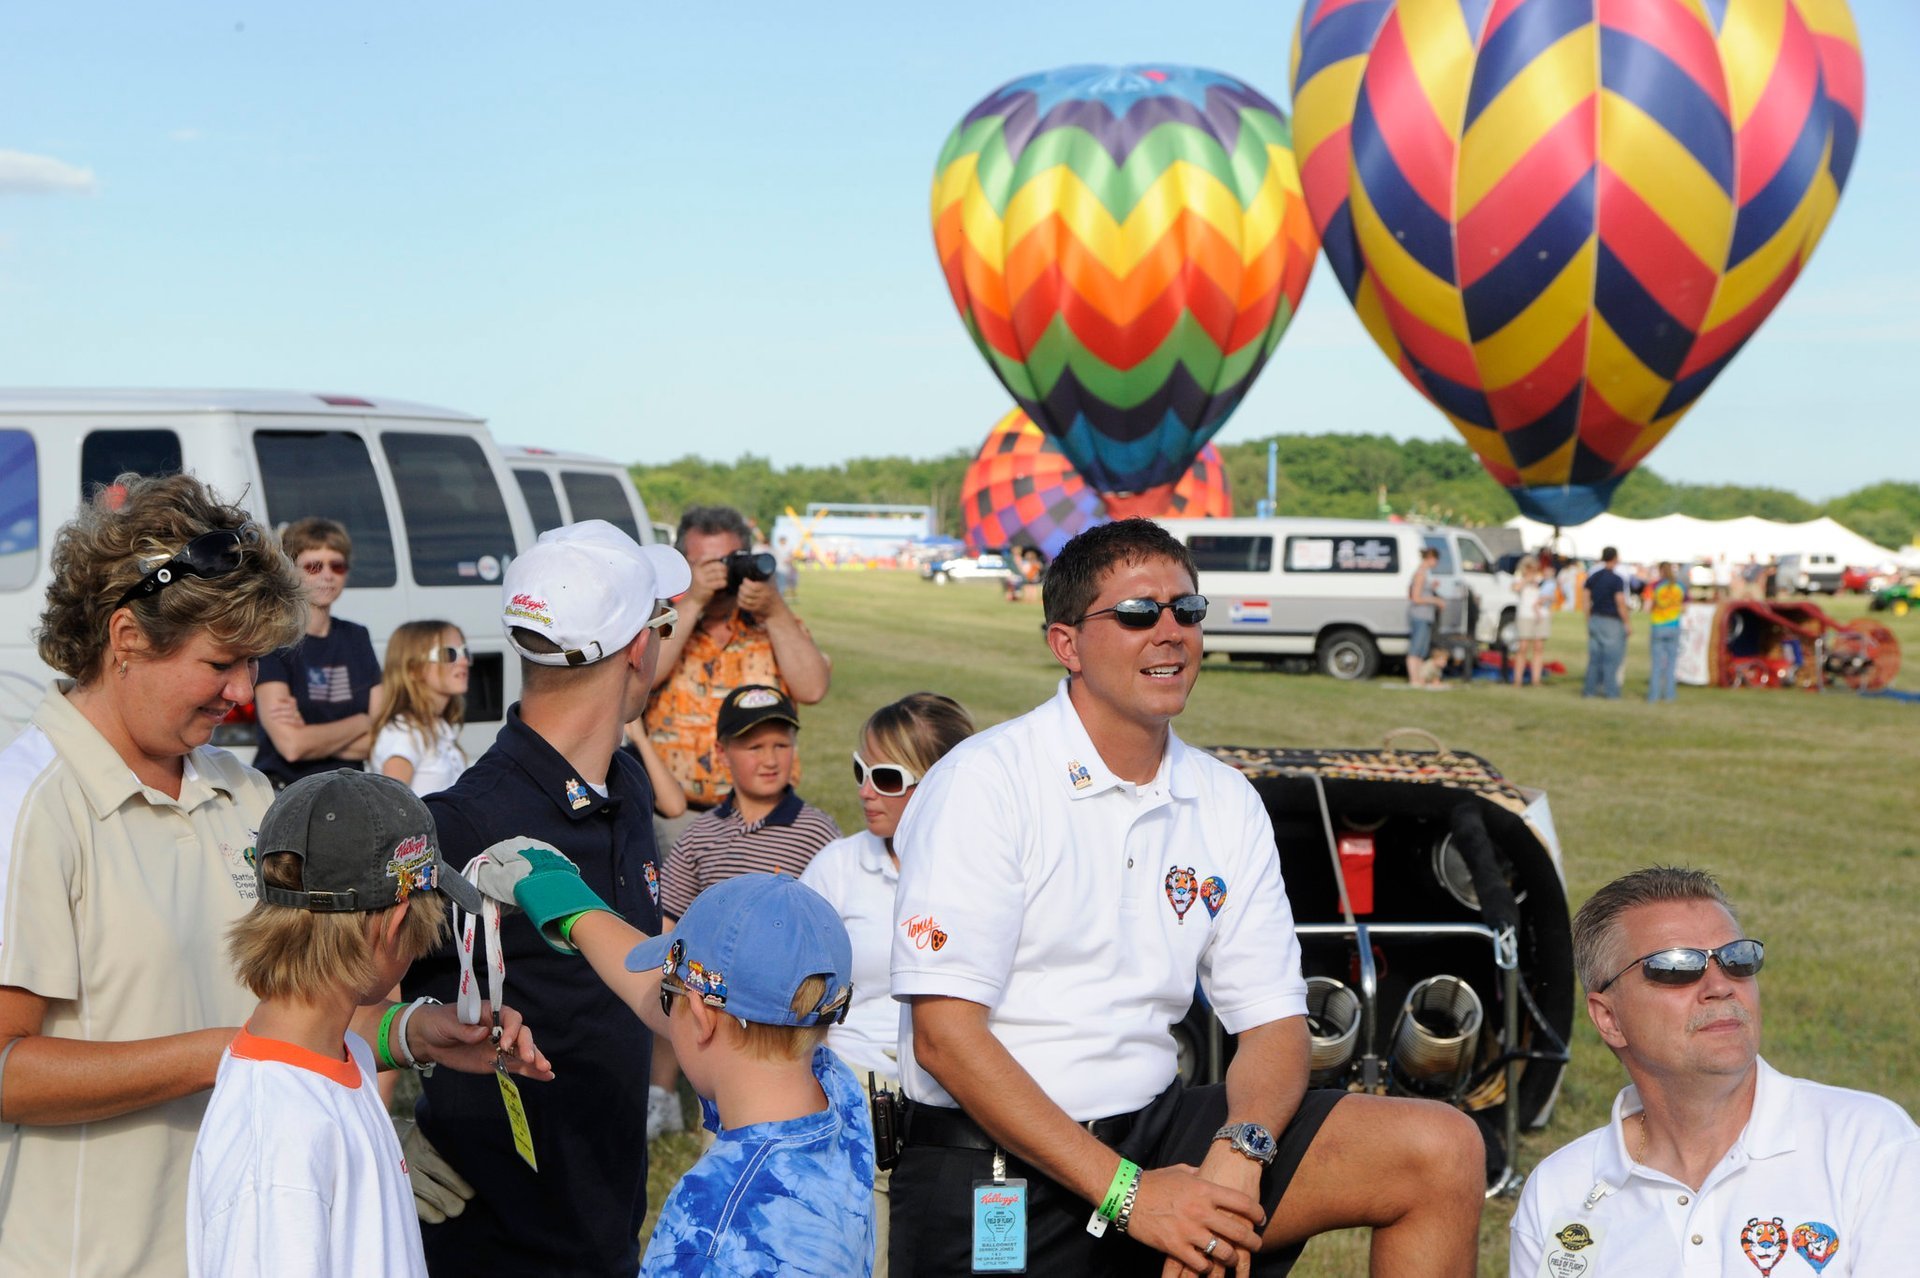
x=942 y=577
x=1348 y=654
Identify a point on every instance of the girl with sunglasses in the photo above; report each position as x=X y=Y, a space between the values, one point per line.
x=857 y=875
x=416 y=736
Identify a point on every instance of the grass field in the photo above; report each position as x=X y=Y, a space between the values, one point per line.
x=1804 y=805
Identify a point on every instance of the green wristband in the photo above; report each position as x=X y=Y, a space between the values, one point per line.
x=1123 y=1176
x=381 y=1051
x=566 y=925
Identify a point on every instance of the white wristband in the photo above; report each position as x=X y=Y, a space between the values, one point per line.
x=406 y=1052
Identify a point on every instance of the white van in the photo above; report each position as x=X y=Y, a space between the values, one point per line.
x=1466 y=565
x=434 y=514
x=565 y=488
x=1334 y=590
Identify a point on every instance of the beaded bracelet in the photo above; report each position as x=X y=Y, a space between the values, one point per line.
x=381 y=1051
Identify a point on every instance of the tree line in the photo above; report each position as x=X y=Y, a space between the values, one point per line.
x=1326 y=474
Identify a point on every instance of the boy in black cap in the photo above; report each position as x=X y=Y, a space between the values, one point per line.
x=296 y=1168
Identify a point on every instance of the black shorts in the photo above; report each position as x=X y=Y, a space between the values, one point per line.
x=932 y=1216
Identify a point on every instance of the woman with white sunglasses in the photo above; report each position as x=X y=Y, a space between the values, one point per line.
x=416 y=735
x=858 y=874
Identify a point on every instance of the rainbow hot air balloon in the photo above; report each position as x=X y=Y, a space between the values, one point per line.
x=1562 y=218
x=1022 y=491
x=1126 y=245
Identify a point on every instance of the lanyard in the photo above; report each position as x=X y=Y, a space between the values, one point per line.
x=468 y=1003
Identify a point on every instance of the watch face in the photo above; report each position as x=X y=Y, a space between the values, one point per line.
x=1258 y=1143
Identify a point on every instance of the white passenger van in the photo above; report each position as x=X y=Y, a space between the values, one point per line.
x=1334 y=590
x=565 y=488
x=434 y=513
x=1466 y=565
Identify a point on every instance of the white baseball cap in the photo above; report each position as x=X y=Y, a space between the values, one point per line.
x=589 y=588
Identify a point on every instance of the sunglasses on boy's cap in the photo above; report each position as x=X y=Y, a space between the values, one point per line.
x=889 y=779
x=1683 y=965
x=1144 y=614
x=211 y=554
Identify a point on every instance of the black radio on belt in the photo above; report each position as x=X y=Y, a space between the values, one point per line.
x=886 y=1124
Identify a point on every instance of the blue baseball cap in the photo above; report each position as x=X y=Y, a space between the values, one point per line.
x=748 y=943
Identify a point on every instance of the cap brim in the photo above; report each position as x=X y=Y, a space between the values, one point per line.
x=458 y=889
x=671 y=572
x=650 y=953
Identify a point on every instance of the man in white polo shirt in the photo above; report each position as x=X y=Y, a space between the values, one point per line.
x=1713 y=1160
x=1065 y=879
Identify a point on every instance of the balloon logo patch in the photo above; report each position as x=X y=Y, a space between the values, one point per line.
x=1213 y=894
x=1764 y=1241
x=1816 y=1243
x=1182 y=887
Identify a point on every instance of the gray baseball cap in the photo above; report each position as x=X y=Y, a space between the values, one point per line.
x=365 y=842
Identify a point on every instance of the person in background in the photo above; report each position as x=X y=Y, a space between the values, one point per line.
x=1712 y=1159
x=761 y=827
x=857 y=876
x=669 y=800
x=1423 y=614
x=318 y=698
x=416 y=735
x=126 y=846
x=1605 y=599
x=739 y=630
x=1532 y=621
x=1668 y=601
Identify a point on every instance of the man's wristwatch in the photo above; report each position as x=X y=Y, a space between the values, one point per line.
x=1250 y=1139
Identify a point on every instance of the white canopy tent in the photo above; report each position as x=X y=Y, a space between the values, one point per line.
x=1684 y=539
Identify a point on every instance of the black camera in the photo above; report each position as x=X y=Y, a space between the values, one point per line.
x=745 y=565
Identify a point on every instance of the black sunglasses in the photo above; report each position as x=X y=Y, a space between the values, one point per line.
x=1683 y=965
x=1144 y=614
x=889 y=779
x=667 y=993
x=211 y=554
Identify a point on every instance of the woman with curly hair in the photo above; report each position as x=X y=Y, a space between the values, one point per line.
x=416 y=735
x=126 y=851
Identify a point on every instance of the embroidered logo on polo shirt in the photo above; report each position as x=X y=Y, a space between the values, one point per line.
x=925 y=932
x=1764 y=1241
x=1815 y=1242
x=1078 y=774
x=412 y=866
x=1213 y=894
x=1182 y=887
x=577 y=794
x=532 y=607
x=653 y=884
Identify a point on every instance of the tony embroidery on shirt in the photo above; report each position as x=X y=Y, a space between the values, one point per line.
x=1213 y=894
x=925 y=932
x=1815 y=1242
x=1764 y=1241
x=1182 y=887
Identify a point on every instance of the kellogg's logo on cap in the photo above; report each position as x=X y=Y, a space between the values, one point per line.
x=531 y=607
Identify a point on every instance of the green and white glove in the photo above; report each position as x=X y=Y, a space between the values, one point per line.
x=539 y=879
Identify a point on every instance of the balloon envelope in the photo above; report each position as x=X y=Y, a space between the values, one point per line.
x=1126 y=246
x=1022 y=491
x=1562 y=218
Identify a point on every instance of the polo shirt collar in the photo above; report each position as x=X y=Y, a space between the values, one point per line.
x=873 y=856
x=552 y=775
x=785 y=812
x=1082 y=772
x=1769 y=1129
x=105 y=778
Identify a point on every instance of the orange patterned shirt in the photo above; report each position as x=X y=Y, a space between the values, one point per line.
x=681 y=713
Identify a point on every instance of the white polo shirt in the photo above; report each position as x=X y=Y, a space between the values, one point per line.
x=857 y=877
x=1081 y=908
x=114 y=906
x=1822 y=1180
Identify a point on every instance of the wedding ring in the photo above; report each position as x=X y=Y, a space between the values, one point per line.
x=1211 y=1244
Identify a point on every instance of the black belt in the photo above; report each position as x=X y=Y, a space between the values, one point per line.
x=952 y=1129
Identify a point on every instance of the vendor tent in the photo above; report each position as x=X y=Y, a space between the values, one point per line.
x=1684 y=539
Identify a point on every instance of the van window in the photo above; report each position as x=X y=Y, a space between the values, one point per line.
x=537 y=488
x=19 y=509
x=329 y=473
x=458 y=533
x=105 y=455
x=1473 y=555
x=1343 y=554
x=599 y=496
x=1444 y=548
x=1215 y=552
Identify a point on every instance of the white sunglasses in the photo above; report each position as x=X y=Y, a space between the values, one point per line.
x=889 y=779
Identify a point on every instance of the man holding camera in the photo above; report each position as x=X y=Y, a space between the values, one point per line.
x=745 y=633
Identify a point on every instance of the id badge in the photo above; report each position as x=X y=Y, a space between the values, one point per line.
x=516 y=1114
x=1000 y=1226
x=1572 y=1251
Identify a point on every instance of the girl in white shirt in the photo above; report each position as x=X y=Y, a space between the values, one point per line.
x=416 y=738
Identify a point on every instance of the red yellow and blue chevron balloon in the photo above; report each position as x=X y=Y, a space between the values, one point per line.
x=1126 y=246
x=1022 y=491
x=1562 y=218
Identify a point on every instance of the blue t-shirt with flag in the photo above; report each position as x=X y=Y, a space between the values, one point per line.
x=787 y=1197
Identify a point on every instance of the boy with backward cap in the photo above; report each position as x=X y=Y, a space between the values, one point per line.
x=297 y=1169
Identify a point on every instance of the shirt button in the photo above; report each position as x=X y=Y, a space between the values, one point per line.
x=623 y=883
x=1129 y=863
x=1683 y=1200
x=1696 y=1240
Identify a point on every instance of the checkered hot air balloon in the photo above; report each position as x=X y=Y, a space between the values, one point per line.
x=1562 y=218
x=1125 y=245
x=1022 y=491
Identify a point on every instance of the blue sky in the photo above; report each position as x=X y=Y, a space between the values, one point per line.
x=644 y=230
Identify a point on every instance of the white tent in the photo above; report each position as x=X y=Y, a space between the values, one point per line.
x=1684 y=539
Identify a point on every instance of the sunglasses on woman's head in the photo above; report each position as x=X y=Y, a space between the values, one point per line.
x=313 y=567
x=211 y=554
x=1683 y=965
x=889 y=779
x=1144 y=614
x=450 y=655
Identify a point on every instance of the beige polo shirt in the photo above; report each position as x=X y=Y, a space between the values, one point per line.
x=114 y=904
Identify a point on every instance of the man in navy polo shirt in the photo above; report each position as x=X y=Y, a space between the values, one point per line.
x=583 y=610
x=1606 y=599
